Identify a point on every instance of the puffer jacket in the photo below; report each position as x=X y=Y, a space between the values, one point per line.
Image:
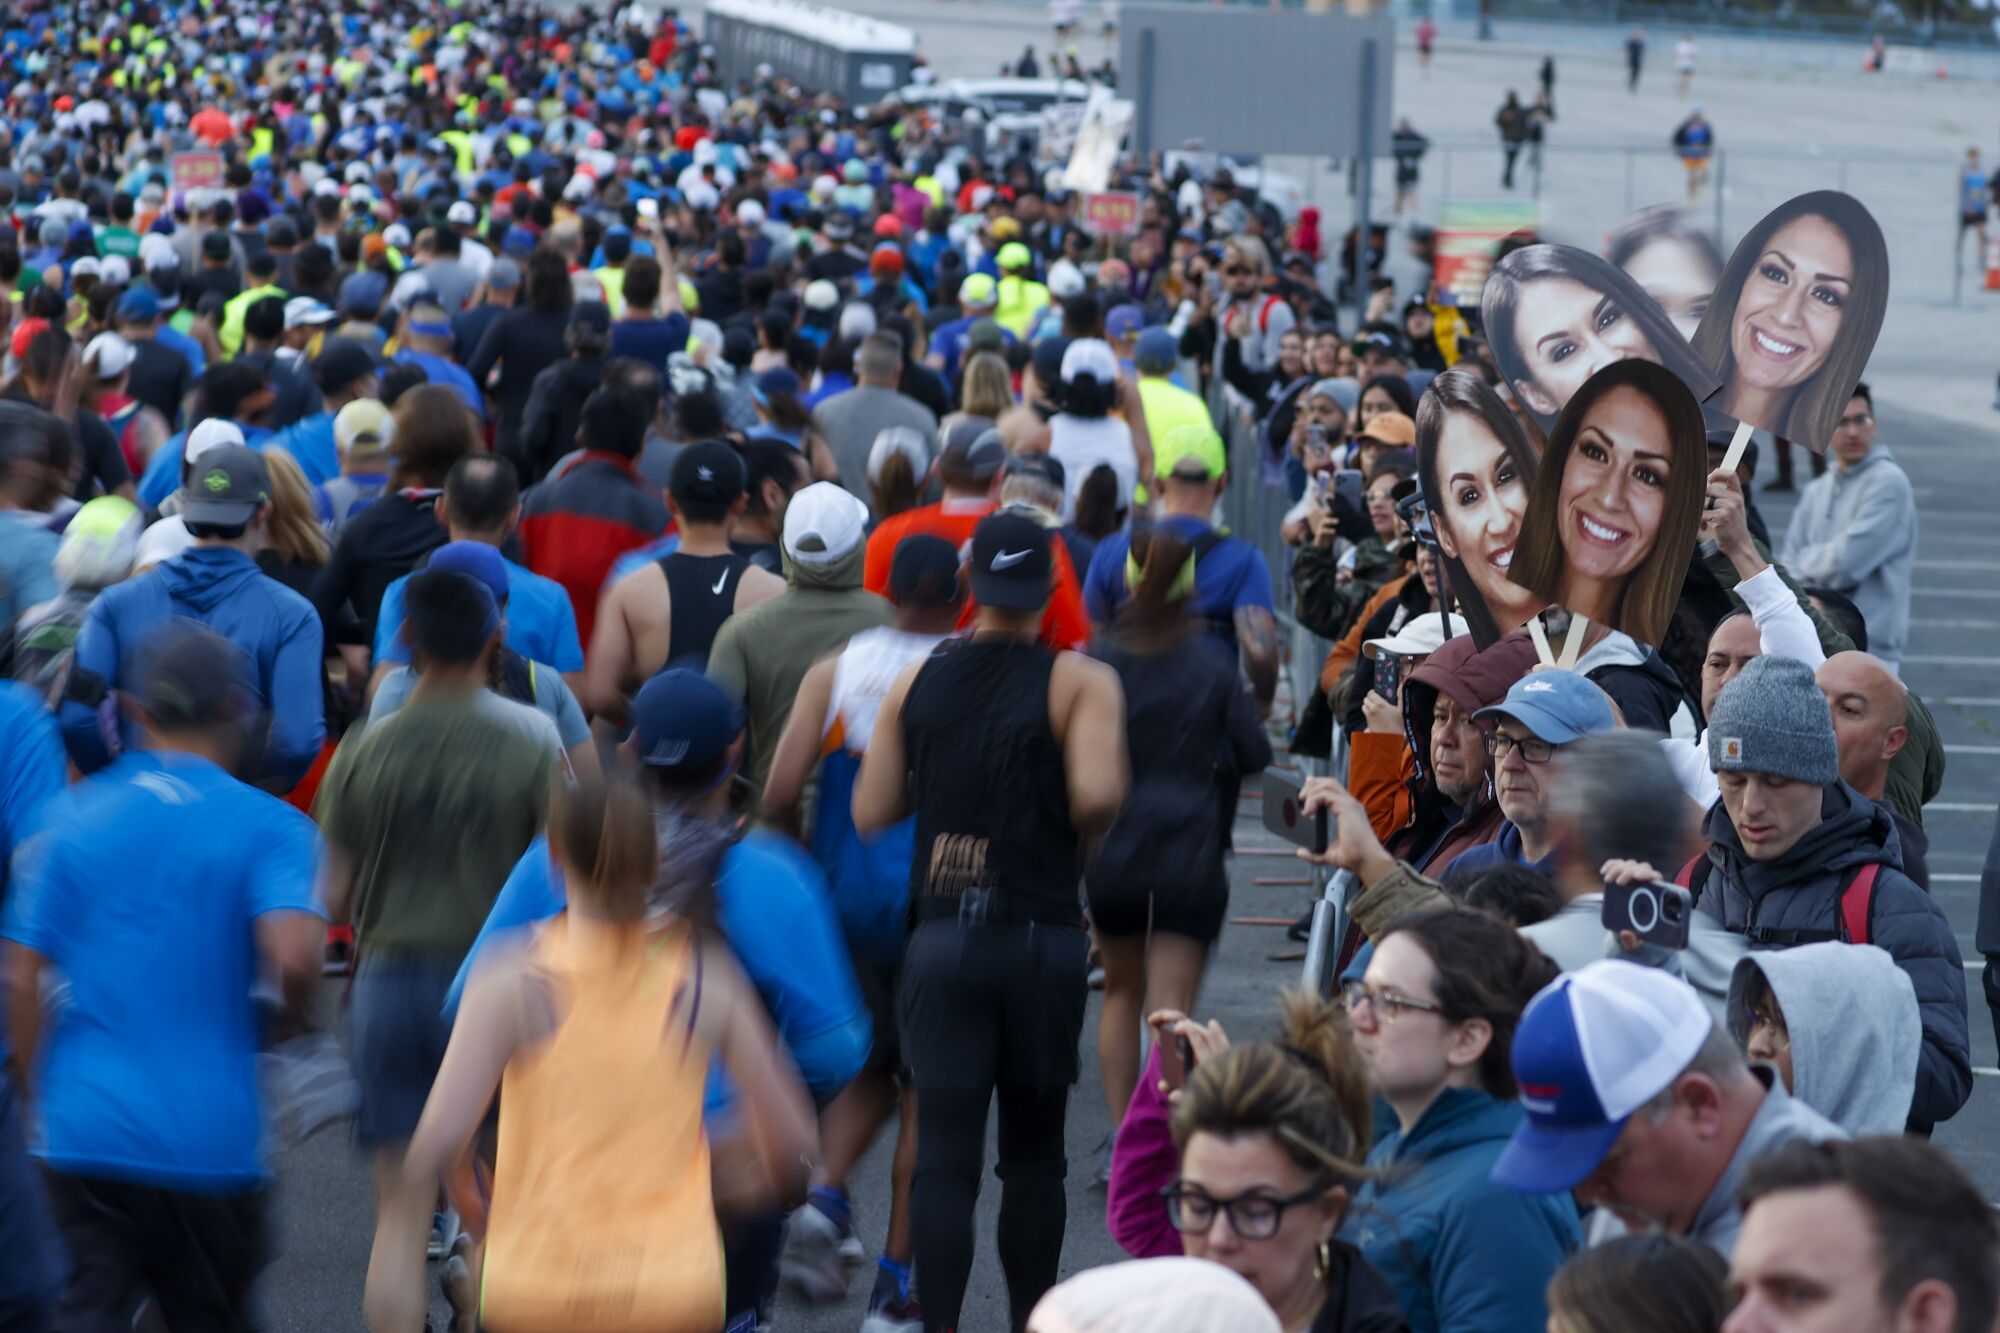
x=1794 y=900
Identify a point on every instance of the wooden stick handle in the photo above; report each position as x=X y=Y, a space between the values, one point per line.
x=1541 y=638
x=1737 y=444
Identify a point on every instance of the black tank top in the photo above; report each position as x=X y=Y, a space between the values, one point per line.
x=701 y=591
x=994 y=839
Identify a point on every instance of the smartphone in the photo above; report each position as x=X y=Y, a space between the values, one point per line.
x=1658 y=913
x=1316 y=434
x=1347 y=484
x=1388 y=675
x=1185 y=1049
x=648 y=208
x=1285 y=816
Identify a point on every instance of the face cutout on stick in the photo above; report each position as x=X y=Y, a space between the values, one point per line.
x=1672 y=259
x=1795 y=315
x=1476 y=462
x=1556 y=315
x=1614 y=511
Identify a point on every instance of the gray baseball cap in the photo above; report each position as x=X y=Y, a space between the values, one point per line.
x=227 y=486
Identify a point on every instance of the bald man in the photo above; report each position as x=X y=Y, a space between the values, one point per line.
x=1871 y=713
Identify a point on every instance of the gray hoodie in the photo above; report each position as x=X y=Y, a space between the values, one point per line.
x=1856 y=532
x=1855 y=1031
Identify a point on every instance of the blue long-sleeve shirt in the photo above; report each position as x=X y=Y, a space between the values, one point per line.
x=774 y=908
x=224 y=589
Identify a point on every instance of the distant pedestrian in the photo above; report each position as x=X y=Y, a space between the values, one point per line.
x=1684 y=53
x=1975 y=200
x=1547 y=78
x=1427 y=32
x=1635 y=59
x=1512 y=122
x=1539 y=116
x=1694 y=140
x=1409 y=147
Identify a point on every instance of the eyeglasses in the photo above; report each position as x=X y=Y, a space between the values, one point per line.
x=1857 y=421
x=1237 y=271
x=1534 y=750
x=1388 y=1005
x=1251 y=1216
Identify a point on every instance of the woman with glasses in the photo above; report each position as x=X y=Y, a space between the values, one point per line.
x=1253 y=1163
x=1433 y=1020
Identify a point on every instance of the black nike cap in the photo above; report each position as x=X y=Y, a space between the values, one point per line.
x=1010 y=562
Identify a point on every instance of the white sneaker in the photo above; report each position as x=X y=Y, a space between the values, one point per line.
x=820 y=1256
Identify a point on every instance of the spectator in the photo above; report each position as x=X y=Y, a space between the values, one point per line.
x=1256 y=1154
x=555 y=407
x=575 y=526
x=1641 y=1284
x=217 y=582
x=1613 y=797
x=1543 y=713
x=1157 y=1296
x=1641 y=1104
x=1878 y=1233
x=1790 y=842
x=1839 y=1023
x=1434 y=1019
x=1437 y=802
x=761 y=654
x=1871 y=716
x=1855 y=530
x=849 y=422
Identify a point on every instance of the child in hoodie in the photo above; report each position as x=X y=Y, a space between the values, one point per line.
x=1840 y=1024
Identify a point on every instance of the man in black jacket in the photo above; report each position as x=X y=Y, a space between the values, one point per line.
x=555 y=407
x=1796 y=856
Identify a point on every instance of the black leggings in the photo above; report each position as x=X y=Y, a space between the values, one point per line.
x=951 y=1142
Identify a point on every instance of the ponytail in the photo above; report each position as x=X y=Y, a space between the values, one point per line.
x=601 y=829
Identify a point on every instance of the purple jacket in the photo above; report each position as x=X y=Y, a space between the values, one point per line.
x=1143 y=1162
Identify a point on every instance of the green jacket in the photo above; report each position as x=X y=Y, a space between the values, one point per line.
x=1322 y=602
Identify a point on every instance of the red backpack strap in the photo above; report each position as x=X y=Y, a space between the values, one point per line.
x=1693 y=876
x=1857 y=904
x=1264 y=313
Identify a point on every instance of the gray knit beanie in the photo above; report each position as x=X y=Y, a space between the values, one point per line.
x=1773 y=719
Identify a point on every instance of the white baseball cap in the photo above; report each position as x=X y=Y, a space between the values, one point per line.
x=905 y=440
x=823 y=524
x=86 y=267
x=750 y=213
x=461 y=214
x=211 y=434
x=1422 y=636
x=1592 y=1048
x=115 y=270
x=1092 y=357
x=111 y=355
x=303 y=310
x=822 y=294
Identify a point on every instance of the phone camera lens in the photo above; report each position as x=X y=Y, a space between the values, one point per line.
x=1291 y=814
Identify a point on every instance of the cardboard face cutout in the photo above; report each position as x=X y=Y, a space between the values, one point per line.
x=1795 y=316
x=1476 y=463
x=1616 y=504
x=1556 y=315
x=1672 y=259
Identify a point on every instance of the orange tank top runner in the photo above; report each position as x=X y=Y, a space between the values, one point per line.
x=603 y=1214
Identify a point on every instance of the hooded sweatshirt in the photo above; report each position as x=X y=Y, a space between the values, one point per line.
x=1851 y=1015
x=1794 y=899
x=1855 y=531
x=762 y=654
x=224 y=589
x=1473 y=678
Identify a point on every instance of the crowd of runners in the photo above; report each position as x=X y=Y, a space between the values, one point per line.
x=621 y=634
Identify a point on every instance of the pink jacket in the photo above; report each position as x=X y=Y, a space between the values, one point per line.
x=1143 y=1161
